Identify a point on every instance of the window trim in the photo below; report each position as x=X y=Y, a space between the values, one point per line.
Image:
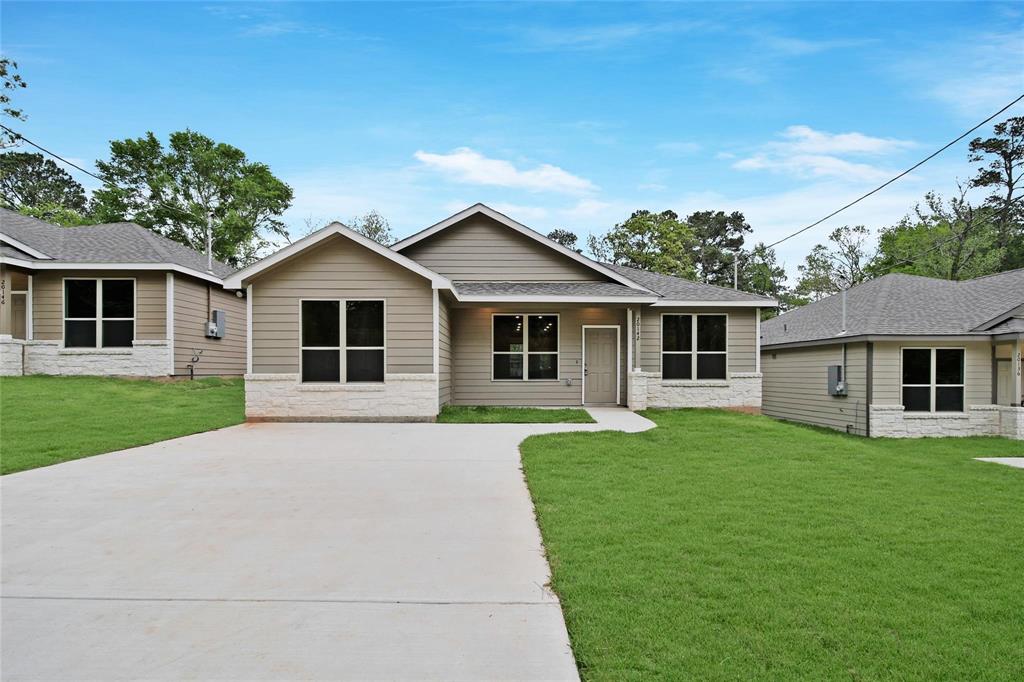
x=342 y=348
x=526 y=348
x=932 y=386
x=693 y=344
x=99 y=319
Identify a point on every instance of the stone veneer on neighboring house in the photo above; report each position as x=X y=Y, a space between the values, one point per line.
x=282 y=397
x=979 y=420
x=648 y=389
x=144 y=359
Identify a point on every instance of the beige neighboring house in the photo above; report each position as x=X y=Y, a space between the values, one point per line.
x=481 y=310
x=903 y=356
x=113 y=299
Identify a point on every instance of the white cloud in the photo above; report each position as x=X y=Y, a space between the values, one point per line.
x=517 y=211
x=471 y=167
x=809 y=153
x=586 y=208
x=597 y=37
x=988 y=73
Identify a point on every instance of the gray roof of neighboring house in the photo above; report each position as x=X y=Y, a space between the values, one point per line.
x=582 y=289
x=903 y=305
x=107 y=243
x=679 y=289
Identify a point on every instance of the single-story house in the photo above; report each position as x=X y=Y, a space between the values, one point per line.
x=481 y=310
x=902 y=356
x=114 y=299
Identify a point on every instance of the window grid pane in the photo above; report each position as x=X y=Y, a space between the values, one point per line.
x=676 y=333
x=711 y=366
x=321 y=324
x=711 y=333
x=364 y=324
x=677 y=366
x=118 y=298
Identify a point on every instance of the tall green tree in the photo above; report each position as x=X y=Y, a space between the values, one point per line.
x=175 y=190
x=10 y=82
x=1003 y=157
x=58 y=215
x=375 y=226
x=842 y=263
x=718 y=236
x=761 y=273
x=948 y=239
x=30 y=180
x=658 y=242
x=566 y=238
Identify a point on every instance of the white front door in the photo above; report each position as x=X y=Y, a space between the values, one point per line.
x=1004 y=383
x=600 y=365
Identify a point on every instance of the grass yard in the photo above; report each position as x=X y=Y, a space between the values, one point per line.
x=462 y=414
x=45 y=420
x=729 y=546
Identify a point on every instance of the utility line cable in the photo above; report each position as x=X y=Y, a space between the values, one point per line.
x=894 y=179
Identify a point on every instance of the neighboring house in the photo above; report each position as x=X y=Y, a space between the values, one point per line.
x=114 y=299
x=916 y=357
x=480 y=310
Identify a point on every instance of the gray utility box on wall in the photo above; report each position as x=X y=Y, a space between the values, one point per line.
x=836 y=380
x=216 y=326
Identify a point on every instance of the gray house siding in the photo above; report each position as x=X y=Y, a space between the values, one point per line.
x=340 y=268
x=192 y=301
x=795 y=386
x=887 y=388
x=481 y=249
x=742 y=341
x=471 y=373
x=150 y=301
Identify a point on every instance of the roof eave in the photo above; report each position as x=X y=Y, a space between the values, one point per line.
x=517 y=298
x=832 y=340
x=72 y=265
x=666 y=303
x=22 y=246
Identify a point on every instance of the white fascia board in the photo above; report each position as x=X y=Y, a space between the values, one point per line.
x=21 y=246
x=484 y=298
x=664 y=303
x=521 y=229
x=238 y=279
x=65 y=265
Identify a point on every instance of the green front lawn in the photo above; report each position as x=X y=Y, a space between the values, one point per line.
x=729 y=546
x=45 y=420
x=463 y=414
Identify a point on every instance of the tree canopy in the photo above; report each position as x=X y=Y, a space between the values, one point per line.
x=658 y=242
x=566 y=238
x=10 y=82
x=30 y=180
x=174 y=190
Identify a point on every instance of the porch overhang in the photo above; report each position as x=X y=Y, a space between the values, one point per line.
x=549 y=292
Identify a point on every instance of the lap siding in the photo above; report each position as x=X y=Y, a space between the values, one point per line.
x=224 y=356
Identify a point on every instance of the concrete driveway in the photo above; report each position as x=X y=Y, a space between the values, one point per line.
x=298 y=551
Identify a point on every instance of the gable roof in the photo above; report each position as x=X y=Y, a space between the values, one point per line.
x=47 y=246
x=904 y=305
x=503 y=219
x=238 y=279
x=679 y=291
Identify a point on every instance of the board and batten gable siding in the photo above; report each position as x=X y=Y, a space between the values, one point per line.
x=887 y=382
x=444 y=355
x=795 y=386
x=471 y=360
x=482 y=249
x=150 y=301
x=340 y=268
x=224 y=356
x=741 y=344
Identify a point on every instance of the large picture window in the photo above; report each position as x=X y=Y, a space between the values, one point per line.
x=524 y=348
x=99 y=313
x=694 y=346
x=933 y=379
x=325 y=358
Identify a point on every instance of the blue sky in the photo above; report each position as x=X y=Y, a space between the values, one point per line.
x=562 y=115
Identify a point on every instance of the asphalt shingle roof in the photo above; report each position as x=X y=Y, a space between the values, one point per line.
x=107 y=243
x=679 y=289
x=609 y=289
x=903 y=305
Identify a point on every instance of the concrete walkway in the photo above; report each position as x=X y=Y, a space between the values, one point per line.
x=1016 y=462
x=298 y=551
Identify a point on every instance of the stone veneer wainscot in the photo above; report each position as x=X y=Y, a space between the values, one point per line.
x=282 y=397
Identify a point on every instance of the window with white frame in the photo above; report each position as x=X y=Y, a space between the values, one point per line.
x=99 y=313
x=524 y=347
x=694 y=346
x=325 y=323
x=933 y=379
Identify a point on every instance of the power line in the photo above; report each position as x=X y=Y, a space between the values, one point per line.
x=894 y=179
